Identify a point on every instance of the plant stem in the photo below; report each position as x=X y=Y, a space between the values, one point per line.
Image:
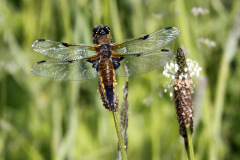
x=119 y=134
x=188 y=143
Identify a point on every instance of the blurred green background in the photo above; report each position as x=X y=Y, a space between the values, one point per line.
x=42 y=118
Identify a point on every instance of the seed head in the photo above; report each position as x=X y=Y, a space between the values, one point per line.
x=180 y=74
x=182 y=88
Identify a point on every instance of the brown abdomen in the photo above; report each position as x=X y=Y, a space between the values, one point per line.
x=107 y=79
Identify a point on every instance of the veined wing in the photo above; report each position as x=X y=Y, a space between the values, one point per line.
x=138 y=64
x=63 y=51
x=150 y=42
x=65 y=70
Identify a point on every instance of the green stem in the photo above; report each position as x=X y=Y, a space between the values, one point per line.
x=120 y=139
x=188 y=143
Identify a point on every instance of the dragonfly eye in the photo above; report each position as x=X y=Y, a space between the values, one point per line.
x=107 y=29
x=95 y=30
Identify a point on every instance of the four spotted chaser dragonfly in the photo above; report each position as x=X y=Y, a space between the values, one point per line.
x=105 y=59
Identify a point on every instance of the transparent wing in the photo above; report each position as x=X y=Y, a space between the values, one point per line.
x=63 y=51
x=150 y=42
x=138 y=64
x=65 y=70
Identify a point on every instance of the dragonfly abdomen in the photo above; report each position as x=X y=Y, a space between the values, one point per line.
x=107 y=83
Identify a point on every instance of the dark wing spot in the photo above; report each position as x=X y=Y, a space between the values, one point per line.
x=165 y=50
x=139 y=54
x=41 y=39
x=116 y=62
x=65 y=44
x=121 y=58
x=89 y=60
x=41 y=62
x=168 y=27
x=144 y=37
x=95 y=63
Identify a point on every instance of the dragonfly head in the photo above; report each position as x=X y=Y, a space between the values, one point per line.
x=101 y=34
x=100 y=30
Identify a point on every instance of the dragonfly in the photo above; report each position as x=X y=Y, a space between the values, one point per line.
x=105 y=59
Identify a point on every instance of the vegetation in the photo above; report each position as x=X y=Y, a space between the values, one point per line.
x=42 y=118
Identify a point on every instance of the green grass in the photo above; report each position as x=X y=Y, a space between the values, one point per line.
x=43 y=118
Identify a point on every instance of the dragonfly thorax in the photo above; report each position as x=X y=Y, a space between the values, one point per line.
x=105 y=50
